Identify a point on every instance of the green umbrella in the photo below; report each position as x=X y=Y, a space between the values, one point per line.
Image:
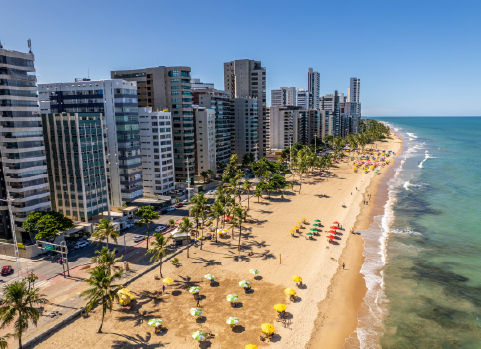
x=313 y=229
x=209 y=277
x=244 y=283
x=315 y=225
x=232 y=298
x=195 y=289
x=232 y=321
x=198 y=336
x=195 y=311
x=317 y=220
x=155 y=322
x=254 y=271
x=309 y=234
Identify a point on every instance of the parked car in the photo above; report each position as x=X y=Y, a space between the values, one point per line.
x=139 y=238
x=80 y=245
x=178 y=205
x=160 y=212
x=7 y=270
x=160 y=228
x=171 y=208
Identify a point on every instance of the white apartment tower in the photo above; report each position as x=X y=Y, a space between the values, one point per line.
x=313 y=79
x=285 y=96
x=303 y=98
x=157 y=154
x=205 y=139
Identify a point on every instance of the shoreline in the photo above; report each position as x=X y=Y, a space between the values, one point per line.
x=338 y=312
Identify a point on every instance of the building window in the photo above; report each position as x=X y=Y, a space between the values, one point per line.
x=184 y=73
x=175 y=73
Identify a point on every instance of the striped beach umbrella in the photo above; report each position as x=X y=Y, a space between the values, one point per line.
x=232 y=321
x=155 y=322
x=254 y=271
x=209 y=277
x=195 y=311
x=198 y=335
x=244 y=283
x=195 y=289
x=232 y=298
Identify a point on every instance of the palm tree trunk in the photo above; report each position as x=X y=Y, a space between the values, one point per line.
x=160 y=268
x=20 y=342
x=100 y=328
x=107 y=242
x=240 y=234
x=148 y=236
x=248 y=195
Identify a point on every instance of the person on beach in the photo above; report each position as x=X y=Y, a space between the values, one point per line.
x=343 y=266
x=163 y=288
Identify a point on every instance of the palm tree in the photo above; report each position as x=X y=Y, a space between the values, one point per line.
x=3 y=340
x=204 y=175
x=157 y=248
x=217 y=211
x=104 y=230
x=147 y=216
x=210 y=172
x=258 y=193
x=106 y=258
x=185 y=225
x=171 y=223
x=19 y=300
x=247 y=186
x=240 y=215
x=102 y=290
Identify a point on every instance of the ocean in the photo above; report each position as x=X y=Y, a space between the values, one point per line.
x=423 y=254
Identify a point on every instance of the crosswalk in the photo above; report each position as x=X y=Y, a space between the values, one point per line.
x=38 y=284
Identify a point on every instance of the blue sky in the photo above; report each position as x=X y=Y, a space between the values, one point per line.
x=414 y=58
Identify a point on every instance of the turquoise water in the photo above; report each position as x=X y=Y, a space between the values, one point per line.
x=425 y=280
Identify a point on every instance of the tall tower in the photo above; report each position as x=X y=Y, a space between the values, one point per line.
x=354 y=90
x=23 y=160
x=313 y=80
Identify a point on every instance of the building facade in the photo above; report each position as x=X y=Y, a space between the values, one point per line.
x=247 y=78
x=169 y=88
x=285 y=96
x=309 y=125
x=302 y=98
x=116 y=99
x=157 y=152
x=205 y=139
x=77 y=166
x=246 y=129
x=313 y=79
x=24 y=168
x=283 y=123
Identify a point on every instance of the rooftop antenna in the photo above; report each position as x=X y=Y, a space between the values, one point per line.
x=29 y=45
x=1 y=46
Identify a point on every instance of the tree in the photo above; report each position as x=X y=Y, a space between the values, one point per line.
x=240 y=215
x=104 y=230
x=210 y=172
x=147 y=216
x=247 y=186
x=3 y=340
x=46 y=225
x=19 y=301
x=107 y=259
x=171 y=223
x=217 y=211
x=258 y=193
x=248 y=159
x=101 y=289
x=158 y=249
x=204 y=175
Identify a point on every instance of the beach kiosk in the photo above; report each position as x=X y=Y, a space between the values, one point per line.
x=180 y=239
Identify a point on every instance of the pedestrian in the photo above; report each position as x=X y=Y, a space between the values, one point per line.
x=343 y=265
x=351 y=192
x=163 y=288
x=356 y=188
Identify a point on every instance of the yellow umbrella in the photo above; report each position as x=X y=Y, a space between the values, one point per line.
x=168 y=281
x=353 y=227
x=290 y=291
x=280 y=307
x=291 y=231
x=354 y=168
x=296 y=227
x=296 y=278
x=250 y=346
x=299 y=223
x=267 y=328
x=303 y=219
x=221 y=231
x=123 y=291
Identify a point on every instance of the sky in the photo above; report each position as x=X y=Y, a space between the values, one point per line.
x=414 y=58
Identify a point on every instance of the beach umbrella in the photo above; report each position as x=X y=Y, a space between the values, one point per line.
x=353 y=227
x=336 y=222
x=317 y=220
x=250 y=346
x=221 y=231
x=195 y=289
x=167 y=280
x=195 y=311
x=123 y=291
x=309 y=234
x=313 y=229
x=155 y=322
x=280 y=307
x=267 y=328
x=244 y=283
x=198 y=335
x=227 y=218
x=315 y=225
x=295 y=227
x=290 y=291
x=296 y=278
x=291 y=231
x=232 y=298
x=334 y=227
x=332 y=232
x=331 y=237
x=303 y=219
x=209 y=277
x=232 y=321
x=254 y=271
x=178 y=221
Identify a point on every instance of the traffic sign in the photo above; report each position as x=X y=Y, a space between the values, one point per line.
x=48 y=247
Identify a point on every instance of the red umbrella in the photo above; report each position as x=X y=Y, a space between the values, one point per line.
x=333 y=227
x=227 y=218
x=336 y=222
x=332 y=232
x=331 y=237
x=178 y=221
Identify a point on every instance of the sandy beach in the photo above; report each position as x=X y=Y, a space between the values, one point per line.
x=326 y=308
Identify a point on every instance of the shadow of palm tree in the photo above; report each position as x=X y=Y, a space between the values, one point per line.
x=148 y=296
x=185 y=283
x=265 y=255
x=206 y=262
x=136 y=342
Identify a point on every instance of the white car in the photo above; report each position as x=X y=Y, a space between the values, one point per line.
x=139 y=238
x=171 y=208
x=80 y=245
x=160 y=228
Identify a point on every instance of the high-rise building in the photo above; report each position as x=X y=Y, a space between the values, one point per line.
x=303 y=98
x=247 y=78
x=313 y=80
x=23 y=169
x=77 y=166
x=354 y=94
x=205 y=139
x=283 y=123
x=156 y=150
x=169 y=88
x=285 y=96
x=246 y=127
x=221 y=102
x=309 y=125
x=116 y=99
x=330 y=104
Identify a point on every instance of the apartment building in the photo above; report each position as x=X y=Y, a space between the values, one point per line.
x=205 y=95
x=302 y=98
x=205 y=139
x=77 y=165
x=309 y=125
x=246 y=127
x=283 y=122
x=116 y=99
x=169 y=88
x=247 y=78
x=313 y=80
x=24 y=168
x=157 y=152
x=285 y=96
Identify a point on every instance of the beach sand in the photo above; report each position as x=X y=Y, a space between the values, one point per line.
x=276 y=254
